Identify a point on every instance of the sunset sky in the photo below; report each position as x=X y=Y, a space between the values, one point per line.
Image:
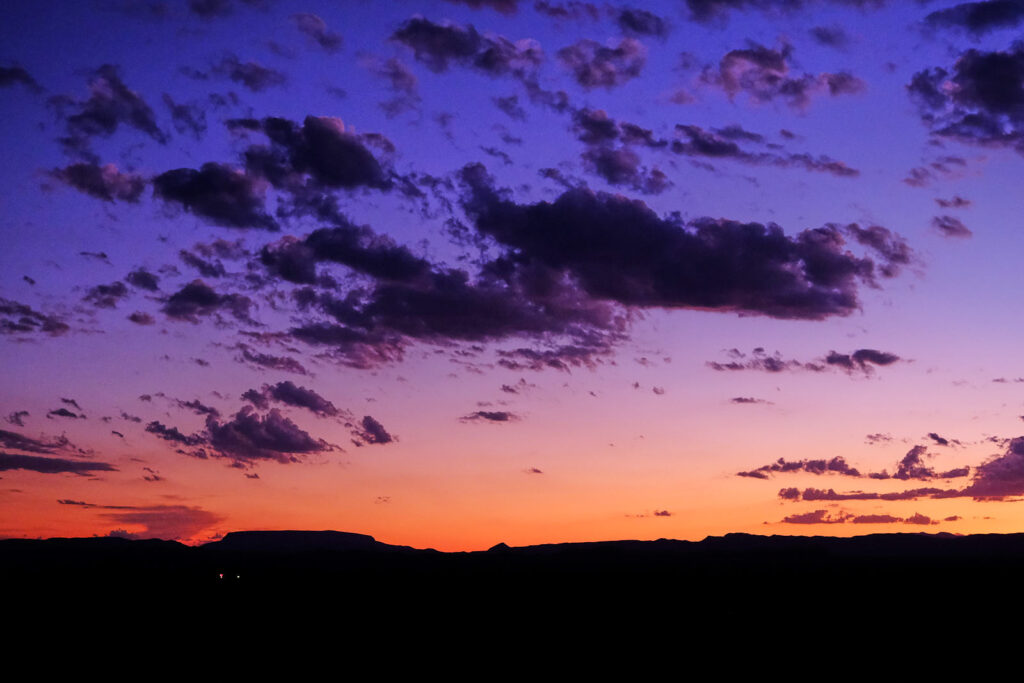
x=458 y=272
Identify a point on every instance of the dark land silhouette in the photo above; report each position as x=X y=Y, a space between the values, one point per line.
x=717 y=580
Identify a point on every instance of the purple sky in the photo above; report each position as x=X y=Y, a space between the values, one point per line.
x=464 y=271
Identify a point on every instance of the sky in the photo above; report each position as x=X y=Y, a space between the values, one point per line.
x=460 y=272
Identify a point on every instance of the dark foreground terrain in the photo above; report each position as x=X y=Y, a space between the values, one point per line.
x=717 y=581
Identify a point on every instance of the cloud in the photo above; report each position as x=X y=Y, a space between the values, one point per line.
x=250 y=75
x=17 y=418
x=764 y=75
x=861 y=360
x=140 y=318
x=957 y=202
x=316 y=30
x=980 y=102
x=199 y=299
x=173 y=435
x=187 y=118
x=621 y=166
x=840 y=517
x=830 y=36
x=106 y=296
x=320 y=150
x=249 y=437
x=503 y=6
x=490 y=416
x=641 y=22
x=372 y=432
x=17 y=75
x=950 y=226
x=103 y=182
x=110 y=105
x=168 y=522
x=816 y=517
x=35 y=463
x=604 y=66
x=64 y=412
x=746 y=400
x=912 y=466
x=291 y=394
x=18 y=318
x=143 y=279
x=440 y=45
x=712 y=10
x=222 y=195
x=618 y=249
x=356 y=247
x=264 y=360
x=215 y=9
x=979 y=18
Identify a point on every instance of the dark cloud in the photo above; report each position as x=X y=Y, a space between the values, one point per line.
x=816 y=517
x=372 y=432
x=604 y=66
x=765 y=75
x=35 y=463
x=174 y=435
x=106 y=296
x=747 y=400
x=503 y=6
x=103 y=182
x=356 y=247
x=957 y=202
x=249 y=437
x=291 y=394
x=18 y=318
x=573 y=10
x=618 y=249
x=943 y=168
x=712 y=10
x=17 y=418
x=694 y=141
x=861 y=360
x=264 y=360
x=402 y=81
x=143 y=279
x=187 y=118
x=250 y=75
x=140 y=318
x=440 y=45
x=979 y=18
x=222 y=195
x=198 y=407
x=759 y=360
x=199 y=299
x=319 y=151
x=16 y=75
x=210 y=269
x=168 y=522
x=64 y=412
x=510 y=105
x=621 y=166
x=830 y=36
x=215 y=9
x=490 y=416
x=840 y=517
x=950 y=226
x=640 y=22
x=912 y=466
x=316 y=30
x=981 y=101
x=110 y=105
x=938 y=439
x=836 y=465
x=43 y=445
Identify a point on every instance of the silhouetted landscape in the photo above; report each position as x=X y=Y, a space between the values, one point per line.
x=737 y=578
